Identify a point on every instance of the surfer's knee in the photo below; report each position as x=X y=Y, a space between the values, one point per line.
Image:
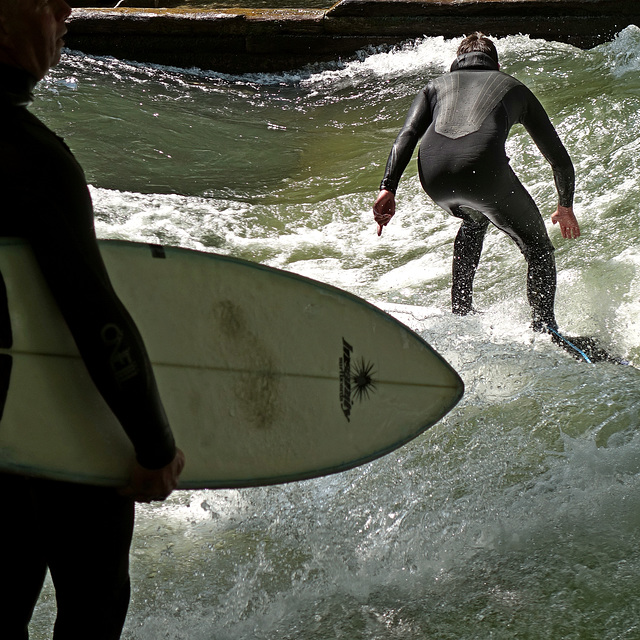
x=538 y=254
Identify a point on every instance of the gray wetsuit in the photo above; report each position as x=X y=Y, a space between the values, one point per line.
x=463 y=119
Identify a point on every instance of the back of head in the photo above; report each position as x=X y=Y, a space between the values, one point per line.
x=9 y=6
x=478 y=42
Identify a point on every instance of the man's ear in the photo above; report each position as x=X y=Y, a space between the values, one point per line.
x=3 y=27
x=6 y=41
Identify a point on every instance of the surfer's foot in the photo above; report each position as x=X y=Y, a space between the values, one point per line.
x=459 y=310
x=583 y=348
x=541 y=326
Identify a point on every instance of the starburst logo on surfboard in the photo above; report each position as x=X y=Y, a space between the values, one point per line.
x=356 y=379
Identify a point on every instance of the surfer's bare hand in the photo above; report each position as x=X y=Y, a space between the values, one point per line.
x=384 y=209
x=568 y=224
x=147 y=485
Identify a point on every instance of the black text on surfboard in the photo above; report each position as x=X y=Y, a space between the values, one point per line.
x=359 y=375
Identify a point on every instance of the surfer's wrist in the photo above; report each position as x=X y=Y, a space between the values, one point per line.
x=156 y=459
x=388 y=186
x=149 y=485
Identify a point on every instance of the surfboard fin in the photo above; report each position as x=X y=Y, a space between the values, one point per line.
x=583 y=348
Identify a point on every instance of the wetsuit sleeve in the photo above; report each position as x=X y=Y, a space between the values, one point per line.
x=109 y=343
x=62 y=235
x=537 y=123
x=416 y=123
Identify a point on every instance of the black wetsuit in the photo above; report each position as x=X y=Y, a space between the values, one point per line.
x=464 y=118
x=45 y=199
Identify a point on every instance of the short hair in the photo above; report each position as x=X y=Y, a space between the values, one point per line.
x=8 y=6
x=478 y=42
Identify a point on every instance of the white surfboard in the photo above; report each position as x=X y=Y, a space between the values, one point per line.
x=266 y=376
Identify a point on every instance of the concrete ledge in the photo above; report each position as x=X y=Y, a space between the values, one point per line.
x=252 y=40
x=501 y=8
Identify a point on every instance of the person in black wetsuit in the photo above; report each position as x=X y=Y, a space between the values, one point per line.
x=82 y=534
x=464 y=118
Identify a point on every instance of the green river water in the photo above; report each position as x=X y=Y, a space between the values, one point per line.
x=518 y=515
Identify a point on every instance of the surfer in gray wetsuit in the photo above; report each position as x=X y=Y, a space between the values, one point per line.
x=463 y=119
x=81 y=534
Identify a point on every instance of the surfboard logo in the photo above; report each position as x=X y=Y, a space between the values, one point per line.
x=356 y=379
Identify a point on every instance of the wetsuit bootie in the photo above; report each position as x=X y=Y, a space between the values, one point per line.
x=460 y=310
x=544 y=326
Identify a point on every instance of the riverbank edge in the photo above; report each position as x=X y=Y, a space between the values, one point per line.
x=238 y=40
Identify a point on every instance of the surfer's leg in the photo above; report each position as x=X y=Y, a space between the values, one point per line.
x=467 y=248
x=515 y=213
x=457 y=192
x=23 y=566
x=89 y=559
x=541 y=287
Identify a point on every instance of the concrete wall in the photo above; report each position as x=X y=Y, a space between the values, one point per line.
x=251 y=40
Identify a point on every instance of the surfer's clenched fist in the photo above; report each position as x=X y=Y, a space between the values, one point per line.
x=148 y=485
x=384 y=209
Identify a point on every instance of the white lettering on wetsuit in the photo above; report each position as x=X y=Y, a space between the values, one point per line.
x=122 y=364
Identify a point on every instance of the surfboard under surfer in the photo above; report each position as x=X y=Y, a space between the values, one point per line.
x=463 y=119
x=81 y=534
